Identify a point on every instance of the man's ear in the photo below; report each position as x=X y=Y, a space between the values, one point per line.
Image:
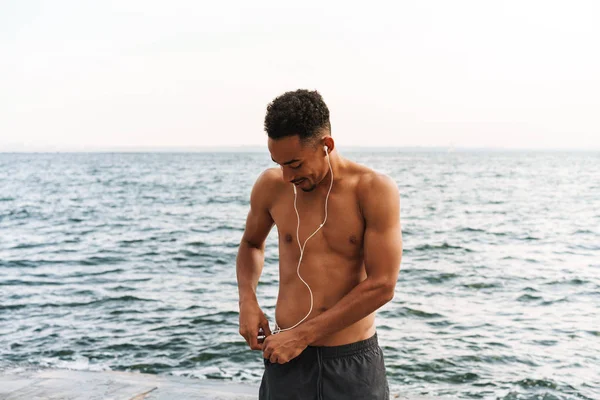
x=329 y=143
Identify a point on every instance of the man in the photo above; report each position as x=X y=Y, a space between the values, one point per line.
x=340 y=248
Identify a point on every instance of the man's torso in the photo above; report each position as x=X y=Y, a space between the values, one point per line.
x=332 y=263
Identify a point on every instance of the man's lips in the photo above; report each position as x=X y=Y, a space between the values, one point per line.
x=298 y=182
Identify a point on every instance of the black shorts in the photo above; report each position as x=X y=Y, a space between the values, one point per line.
x=350 y=371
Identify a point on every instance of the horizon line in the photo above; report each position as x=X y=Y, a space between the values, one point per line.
x=263 y=148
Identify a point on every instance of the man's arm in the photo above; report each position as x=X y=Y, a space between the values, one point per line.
x=250 y=260
x=382 y=256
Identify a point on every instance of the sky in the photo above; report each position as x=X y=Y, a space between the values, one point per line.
x=78 y=75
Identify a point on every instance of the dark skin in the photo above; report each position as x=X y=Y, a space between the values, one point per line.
x=351 y=265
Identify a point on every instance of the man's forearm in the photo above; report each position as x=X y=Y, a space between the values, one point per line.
x=249 y=265
x=361 y=301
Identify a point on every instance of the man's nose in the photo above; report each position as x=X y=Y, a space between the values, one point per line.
x=288 y=176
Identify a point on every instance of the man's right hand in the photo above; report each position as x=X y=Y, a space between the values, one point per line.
x=252 y=319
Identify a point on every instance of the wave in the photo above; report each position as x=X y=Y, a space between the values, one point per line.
x=556 y=301
x=32 y=245
x=468 y=229
x=413 y=312
x=121 y=299
x=443 y=246
x=243 y=201
x=443 y=277
x=198 y=243
x=84 y=274
x=537 y=383
x=480 y=285
x=528 y=238
x=20 y=282
x=131 y=241
x=95 y=260
x=223 y=227
x=150 y=368
x=529 y=297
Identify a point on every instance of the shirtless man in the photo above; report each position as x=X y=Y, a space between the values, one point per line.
x=324 y=342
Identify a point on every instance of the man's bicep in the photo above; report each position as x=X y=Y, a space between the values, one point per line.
x=383 y=254
x=258 y=226
x=383 y=232
x=259 y=221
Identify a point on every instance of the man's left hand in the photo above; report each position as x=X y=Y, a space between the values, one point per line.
x=283 y=346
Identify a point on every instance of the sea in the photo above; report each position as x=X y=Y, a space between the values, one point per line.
x=126 y=262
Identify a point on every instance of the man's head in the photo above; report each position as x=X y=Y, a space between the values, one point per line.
x=298 y=127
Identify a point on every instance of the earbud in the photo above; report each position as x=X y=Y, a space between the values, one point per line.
x=326 y=149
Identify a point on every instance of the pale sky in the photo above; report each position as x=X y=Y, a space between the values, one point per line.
x=513 y=74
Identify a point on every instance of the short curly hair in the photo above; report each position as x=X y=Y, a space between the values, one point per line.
x=301 y=112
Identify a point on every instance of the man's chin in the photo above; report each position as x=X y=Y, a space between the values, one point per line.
x=309 y=189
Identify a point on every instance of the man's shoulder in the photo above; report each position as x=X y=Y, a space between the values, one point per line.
x=376 y=190
x=268 y=182
x=371 y=182
x=268 y=174
x=269 y=178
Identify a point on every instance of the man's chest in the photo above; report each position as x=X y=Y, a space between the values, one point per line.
x=342 y=232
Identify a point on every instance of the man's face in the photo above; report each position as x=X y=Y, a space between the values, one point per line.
x=302 y=165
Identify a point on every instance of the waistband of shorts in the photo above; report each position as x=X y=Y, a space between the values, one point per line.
x=348 y=349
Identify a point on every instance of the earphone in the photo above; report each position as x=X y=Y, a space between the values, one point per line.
x=277 y=329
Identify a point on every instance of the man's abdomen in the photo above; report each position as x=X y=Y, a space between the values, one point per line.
x=330 y=279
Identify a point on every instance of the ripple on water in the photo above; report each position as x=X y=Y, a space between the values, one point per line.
x=528 y=298
x=85 y=273
x=20 y=282
x=96 y=260
x=226 y=317
x=443 y=246
x=412 y=312
x=481 y=285
x=442 y=277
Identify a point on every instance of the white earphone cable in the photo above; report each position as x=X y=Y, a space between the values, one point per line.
x=277 y=329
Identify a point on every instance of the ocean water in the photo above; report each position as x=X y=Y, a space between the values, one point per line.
x=126 y=261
